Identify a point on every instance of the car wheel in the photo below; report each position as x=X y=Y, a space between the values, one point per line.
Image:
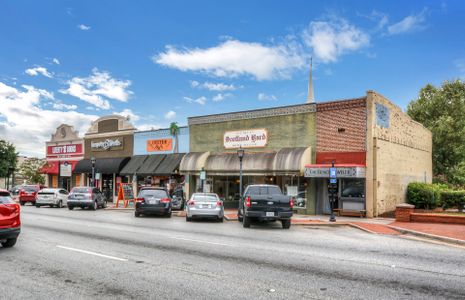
x=168 y=215
x=137 y=214
x=246 y=222
x=22 y=203
x=220 y=220
x=188 y=219
x=37 y=205
x=60 y=204
x=70 y=207
x=105 y=204
x=95 y=206
x=286 y=223
x=9 y=243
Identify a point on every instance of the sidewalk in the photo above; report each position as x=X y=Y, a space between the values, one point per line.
x=444 y=232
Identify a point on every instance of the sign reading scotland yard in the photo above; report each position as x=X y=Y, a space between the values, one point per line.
x=253 y=138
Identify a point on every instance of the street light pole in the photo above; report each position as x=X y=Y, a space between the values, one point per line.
x=240 y=154
x=92 y=159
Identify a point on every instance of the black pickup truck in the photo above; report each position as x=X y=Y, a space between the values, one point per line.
x=265 y=202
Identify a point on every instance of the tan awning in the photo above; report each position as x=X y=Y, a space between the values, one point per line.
x=193 y=162
x=253 y=163
x=292 y=160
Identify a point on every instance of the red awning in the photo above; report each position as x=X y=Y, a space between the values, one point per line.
x=52 y=167
x=335 y=165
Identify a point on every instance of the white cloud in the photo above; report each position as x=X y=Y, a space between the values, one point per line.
x=201 y=100
x=333 y=38
x=84 y=27
x=98 y=88
x=38 y=70
x=410 y=23
x=220 y=97
x=56 y=61
x=265 y=97
x=128 y=113
x=63 y=106
x=27 y=125
x=214 y=86
x=233 y=58
x=171 y=115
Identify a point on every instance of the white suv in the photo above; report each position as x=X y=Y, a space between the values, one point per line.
x=51 y=197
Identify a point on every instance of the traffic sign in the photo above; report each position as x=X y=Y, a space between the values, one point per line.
x=332 y=172
x=333 y=180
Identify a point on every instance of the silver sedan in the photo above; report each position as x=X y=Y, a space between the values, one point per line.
x=204 y=205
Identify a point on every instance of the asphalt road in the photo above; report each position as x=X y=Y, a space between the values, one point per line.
x=83 y=254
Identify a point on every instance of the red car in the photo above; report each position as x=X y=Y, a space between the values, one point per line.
x=27 y=193
x=10 y=223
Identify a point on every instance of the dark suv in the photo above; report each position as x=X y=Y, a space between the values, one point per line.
x=154 y=201
x=85 y=196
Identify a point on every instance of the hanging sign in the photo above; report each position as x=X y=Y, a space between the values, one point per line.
x=159 y=145
x=253 y=138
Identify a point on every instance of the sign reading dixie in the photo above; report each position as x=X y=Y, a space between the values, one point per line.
x=107 y=144
x=254 y=138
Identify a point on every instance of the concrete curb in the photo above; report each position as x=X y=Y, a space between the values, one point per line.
x=363 y=229
x=428 y=235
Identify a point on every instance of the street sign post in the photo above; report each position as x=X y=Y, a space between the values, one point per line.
x=332 y=189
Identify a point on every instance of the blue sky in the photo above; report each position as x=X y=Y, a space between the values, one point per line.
x=72 y=61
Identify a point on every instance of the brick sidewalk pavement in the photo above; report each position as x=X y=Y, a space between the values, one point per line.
x=444 y=230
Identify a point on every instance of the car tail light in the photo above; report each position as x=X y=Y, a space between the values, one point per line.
x=191 y=203
x=247 y=201
x=21 y=192
x=165 y=200
x=140 y=200
x=219 y=203
x=291 y=202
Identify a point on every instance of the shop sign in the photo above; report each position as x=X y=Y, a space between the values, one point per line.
x=65 y=169
x=254 y=138
x=64 y=150
x=107 y=144
x=159 y=145
x=342 y=172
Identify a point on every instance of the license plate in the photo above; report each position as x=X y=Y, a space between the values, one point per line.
x=270 y=214
x=153 y=202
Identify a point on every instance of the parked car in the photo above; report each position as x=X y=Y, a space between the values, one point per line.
x=14 y=190
x=27 y=193
x=52 y=197
x=153 y=201
x=204 y=205
x=10 y=221
x=86 y=196
x=267 y=203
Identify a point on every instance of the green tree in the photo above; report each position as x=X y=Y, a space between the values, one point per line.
x=174 y=131
x=30 y=170
x=442 y=110
x=7 y=157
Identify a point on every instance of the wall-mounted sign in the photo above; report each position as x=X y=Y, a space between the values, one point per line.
x=65 y=169
x=107 y=144
x=53 y=151
x=342 y=172
x=254 y=138
x=159 y=145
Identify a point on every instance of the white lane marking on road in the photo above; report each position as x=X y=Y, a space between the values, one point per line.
x=92 y=253
x=198 y=241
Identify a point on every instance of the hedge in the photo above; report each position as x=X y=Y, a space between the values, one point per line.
x=424 y=195
x=450 y=199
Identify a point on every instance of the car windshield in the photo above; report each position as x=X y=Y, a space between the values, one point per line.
x=264 y=190
x=153 y=193
x=205 y=198
x=81 y=190
x=5 y=198
x=31 y=188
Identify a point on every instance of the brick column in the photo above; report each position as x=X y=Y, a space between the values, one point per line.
x=403 y=212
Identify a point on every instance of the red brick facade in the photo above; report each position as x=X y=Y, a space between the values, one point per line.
x=341 y=128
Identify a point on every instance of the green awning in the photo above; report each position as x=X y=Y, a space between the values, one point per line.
x=169 y=164
x=133 y=166
x=151 y=164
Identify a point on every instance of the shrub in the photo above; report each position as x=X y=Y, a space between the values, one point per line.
x=450 y=199
x=423 y=195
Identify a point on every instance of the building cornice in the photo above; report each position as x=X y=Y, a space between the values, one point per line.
x=253 y=114
x=342 y=104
